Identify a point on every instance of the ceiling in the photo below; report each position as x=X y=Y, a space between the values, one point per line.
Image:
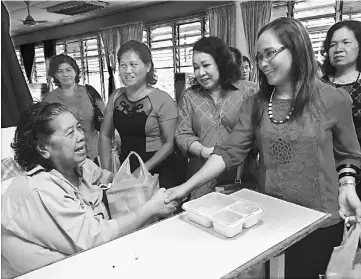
x=18 y=12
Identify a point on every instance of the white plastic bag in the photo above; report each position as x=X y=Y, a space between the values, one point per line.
x=128 y=192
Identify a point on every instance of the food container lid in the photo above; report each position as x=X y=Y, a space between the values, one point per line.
x=209 y=204
x=227 y=217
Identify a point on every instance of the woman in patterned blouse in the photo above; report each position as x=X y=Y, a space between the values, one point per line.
x=342 y=65
x=209 y=109
x=304 y=130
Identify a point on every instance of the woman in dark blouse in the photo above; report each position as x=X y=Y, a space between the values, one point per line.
x=342 y=51
x=304 y=130
x=145 y=117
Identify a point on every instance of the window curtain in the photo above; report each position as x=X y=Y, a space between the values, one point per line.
x=255 y=15
x=28 y=54
x=112 y=39
x=132 y=31
x=49 y=51
x=222 y=23
x=110 y=42
x=15 y=94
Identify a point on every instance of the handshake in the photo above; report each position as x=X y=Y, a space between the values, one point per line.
x=164 y=202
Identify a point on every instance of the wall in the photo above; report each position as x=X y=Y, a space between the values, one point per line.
x=149 y=14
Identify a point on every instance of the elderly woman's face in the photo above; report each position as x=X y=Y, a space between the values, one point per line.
x=344 y=48
x=66 y=146
x=65 y=74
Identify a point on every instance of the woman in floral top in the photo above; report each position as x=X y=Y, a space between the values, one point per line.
x=208 y=110
x=304 y=130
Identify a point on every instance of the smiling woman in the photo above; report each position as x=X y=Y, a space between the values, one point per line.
x=208 y=110
x=55 y=209
x=145 y=117
x=306 y=139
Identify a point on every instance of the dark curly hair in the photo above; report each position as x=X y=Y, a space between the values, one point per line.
x=237 y=55
x=144 y=54
x=355 y=27
x=35 y=125
x=56 y=60
x=229 y=72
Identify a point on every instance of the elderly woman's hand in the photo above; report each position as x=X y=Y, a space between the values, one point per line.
x=349 y=203
x=159 y=206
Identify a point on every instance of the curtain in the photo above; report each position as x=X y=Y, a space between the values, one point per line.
x=15 y=94
x=49 y=51
x=28 y=54
x=112 y=39
x=222 y=23
x=255 y=15
x=132 y=31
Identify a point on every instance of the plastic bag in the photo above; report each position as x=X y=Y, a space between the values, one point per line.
x=128 y=192
x=342 y=263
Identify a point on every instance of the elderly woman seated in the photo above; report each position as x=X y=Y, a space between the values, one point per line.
x=55 y=208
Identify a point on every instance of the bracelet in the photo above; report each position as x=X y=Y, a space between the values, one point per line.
x=346 y=170
x=347 y=174
x=352 y=166
x=346 y=183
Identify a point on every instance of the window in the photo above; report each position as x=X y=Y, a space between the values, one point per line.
x=39 y=69
x=39 y=73
x=171 y=47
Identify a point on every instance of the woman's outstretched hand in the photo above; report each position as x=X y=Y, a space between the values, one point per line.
x=177 y=194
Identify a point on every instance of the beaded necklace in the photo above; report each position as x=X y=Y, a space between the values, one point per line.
x=270 y=115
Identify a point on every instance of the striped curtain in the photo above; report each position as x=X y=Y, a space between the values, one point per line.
x=222 y=23
x=255 y=15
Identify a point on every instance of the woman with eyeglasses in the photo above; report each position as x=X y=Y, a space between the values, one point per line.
x=309 y=152
x=209 y=109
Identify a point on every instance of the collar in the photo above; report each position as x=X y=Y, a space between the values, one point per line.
x=78 y=170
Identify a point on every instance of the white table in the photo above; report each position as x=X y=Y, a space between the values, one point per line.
x=179 y=248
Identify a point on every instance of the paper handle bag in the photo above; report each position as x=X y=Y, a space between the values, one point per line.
x=128 y=192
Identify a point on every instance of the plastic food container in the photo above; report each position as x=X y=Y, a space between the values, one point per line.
x=228 y=214
x=200 y=210
x=227 y=222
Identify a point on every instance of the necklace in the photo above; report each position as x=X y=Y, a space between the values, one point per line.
x=333 y=79
x=270 y=115
x=217 y=118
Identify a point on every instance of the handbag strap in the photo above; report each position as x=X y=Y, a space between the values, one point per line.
x=90 y=95
x=239 y=173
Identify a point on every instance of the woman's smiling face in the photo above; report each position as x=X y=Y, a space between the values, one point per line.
x=274 y=59
x=206 y=70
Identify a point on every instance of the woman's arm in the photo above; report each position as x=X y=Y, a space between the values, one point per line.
x=80 y=230
x=185 y=136
x=167 y=129
x=346 y=150
x=106 y=135
x=231 y=152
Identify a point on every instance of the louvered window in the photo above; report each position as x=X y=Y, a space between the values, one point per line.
x=171 y=47
x=39 y=70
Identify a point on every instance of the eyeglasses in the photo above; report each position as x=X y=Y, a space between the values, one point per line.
x=268 y=54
